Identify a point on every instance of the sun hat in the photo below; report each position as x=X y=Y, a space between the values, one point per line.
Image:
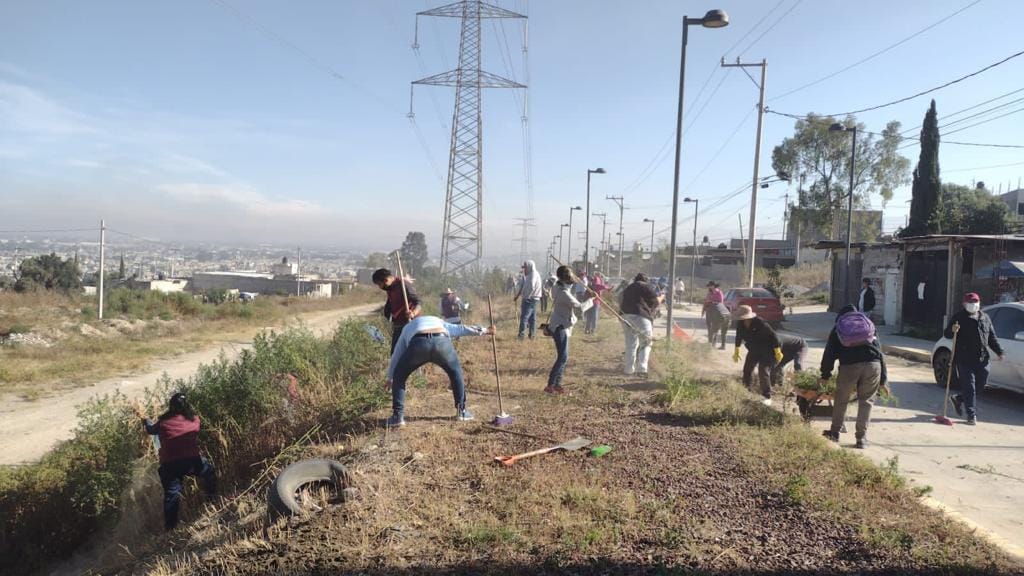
x=744 y=312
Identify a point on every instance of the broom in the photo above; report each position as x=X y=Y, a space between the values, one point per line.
x=949 y=377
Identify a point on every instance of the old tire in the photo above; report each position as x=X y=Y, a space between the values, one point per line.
x=281 y=498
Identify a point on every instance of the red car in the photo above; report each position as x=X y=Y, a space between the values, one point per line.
x=761 y=301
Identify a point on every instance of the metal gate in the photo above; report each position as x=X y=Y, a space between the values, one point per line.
x=924 y=292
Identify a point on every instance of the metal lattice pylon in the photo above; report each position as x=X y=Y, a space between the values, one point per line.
x=462 y=240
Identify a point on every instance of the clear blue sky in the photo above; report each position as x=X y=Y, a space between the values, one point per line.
x=188 y=120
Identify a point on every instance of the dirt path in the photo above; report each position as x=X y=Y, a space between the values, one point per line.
x=977 y=473
x=29 y=429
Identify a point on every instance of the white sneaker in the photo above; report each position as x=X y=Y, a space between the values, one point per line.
x=767 y=401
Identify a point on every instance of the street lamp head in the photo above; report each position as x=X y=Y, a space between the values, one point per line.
x=597 y=171
x=782 y=175
x=648 y=220
x=837 y=127
x=575 y=208
x=688 y=199
x=715 y=19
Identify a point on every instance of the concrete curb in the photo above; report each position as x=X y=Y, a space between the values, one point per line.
x=908 y=354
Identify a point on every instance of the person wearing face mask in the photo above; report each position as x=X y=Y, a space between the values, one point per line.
x=974 y=337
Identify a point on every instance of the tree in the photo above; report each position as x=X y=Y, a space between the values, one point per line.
x=376 y=260
x=925 y=215
x=120 y=271
x=822 y=158
x=968 y=210
x=47 y=272
x=414 y=253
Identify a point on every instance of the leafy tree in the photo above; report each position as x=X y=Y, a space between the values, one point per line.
x=823 y=159
x=47 y=272
x=925 y=213
x=968 y=210
x=414 y=253
x=377 y=260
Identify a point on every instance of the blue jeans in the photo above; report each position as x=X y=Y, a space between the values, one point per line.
x=528 y=317
x=561 y=339
x=972 y=376
x=423 y=349
x=171 y=474
x=591 y=317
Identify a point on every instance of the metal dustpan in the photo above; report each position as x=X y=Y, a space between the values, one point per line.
x=572 y=445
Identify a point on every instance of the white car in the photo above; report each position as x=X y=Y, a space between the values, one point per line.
x=1008 y=320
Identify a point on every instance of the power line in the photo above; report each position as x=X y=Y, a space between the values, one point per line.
x=986 y=121
x=919 y=94
x=985 y=167
x=971 y=107
x=770 y=28
x=875 y=54
x=754 y=27
x=48 y=231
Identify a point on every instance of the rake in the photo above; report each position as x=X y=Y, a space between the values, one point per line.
x=949 y=377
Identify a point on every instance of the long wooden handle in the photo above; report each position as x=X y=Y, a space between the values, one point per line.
x=510 y=460
x=949 y=374
x=401 y=276
x=494 y=351
x=608 y=306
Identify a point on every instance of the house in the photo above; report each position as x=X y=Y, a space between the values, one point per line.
x=919 y=281
x=1014 y=200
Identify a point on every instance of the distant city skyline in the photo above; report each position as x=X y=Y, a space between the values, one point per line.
x=258 y=122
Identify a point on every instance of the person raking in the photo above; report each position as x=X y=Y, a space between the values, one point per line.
x=427 y=339
x=764 y=351
x=178 y=431
x=639 y=303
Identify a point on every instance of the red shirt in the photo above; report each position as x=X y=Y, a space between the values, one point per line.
x=179 y=438
x=714 y=297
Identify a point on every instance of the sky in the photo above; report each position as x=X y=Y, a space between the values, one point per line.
x=253 y=121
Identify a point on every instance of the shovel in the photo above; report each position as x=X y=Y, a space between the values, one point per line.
x=574 y=444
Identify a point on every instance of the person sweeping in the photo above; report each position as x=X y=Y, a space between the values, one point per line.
x=764 y=351
x=974 y=337
x=862 y=372
x=563 y=316
x=178 y=431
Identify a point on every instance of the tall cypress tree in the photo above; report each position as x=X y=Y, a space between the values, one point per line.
x=925 y=217
x=120 y=272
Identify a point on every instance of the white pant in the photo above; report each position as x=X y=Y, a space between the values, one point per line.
x=638 y=348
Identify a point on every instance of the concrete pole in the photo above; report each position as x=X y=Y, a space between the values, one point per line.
x=755 y=186
x=103 y=263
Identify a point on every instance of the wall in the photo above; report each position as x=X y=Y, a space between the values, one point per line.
x=262 y=285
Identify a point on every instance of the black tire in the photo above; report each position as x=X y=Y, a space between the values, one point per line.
x=940 y=367
x=281 y=498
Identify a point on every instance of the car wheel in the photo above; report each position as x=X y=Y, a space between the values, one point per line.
x=940 y=366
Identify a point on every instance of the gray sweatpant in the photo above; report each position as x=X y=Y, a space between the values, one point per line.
x=861 y=380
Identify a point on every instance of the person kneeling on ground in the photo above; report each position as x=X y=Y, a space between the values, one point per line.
x=178 y=431
x=975 y=335
x=862 y=371
x=427 y=339
x=794 y=349
x=639 y=302
x=764 y=351
x=563 y=316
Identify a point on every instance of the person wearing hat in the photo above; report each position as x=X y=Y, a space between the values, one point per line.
x=974 y=337
x=764 y=350
x=716 y=314
x=178 y=431
x=451 y=307
x=639 y=303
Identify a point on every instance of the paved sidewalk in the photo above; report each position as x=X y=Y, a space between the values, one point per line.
x=817 y=321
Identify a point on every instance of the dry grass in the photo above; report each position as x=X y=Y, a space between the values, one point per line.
x=717 y=483
x=85 y=350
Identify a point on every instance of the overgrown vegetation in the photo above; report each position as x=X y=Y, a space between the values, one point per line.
x=49 y=508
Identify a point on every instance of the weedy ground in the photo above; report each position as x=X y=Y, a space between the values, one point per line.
x=701 y=479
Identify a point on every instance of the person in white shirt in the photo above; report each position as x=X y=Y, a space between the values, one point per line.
x=427 y=339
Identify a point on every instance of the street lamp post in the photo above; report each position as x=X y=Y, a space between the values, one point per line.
x=603 y=249
x=568 y=245
x=837 y=127
x=586 y=243
x=713 y=19
x=561 y=235
x=652 y=244
x=693 y=257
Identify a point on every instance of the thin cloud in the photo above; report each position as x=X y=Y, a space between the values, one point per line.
x=240 y=196
x=25 y=110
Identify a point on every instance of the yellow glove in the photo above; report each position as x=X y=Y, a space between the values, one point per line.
x=736 y=355
x=778 y=355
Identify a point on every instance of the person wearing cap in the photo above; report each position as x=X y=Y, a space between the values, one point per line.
x=974 y=337
x=178 y=432
x=639 y=302
x=764 y=350
x=402 y=305
x=427 y=339
x=451 y=307
x=530 y=290
x=862 y=373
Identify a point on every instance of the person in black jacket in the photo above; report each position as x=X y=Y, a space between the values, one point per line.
x=794 y=349
x=867 y=298
x=639 y=305
x=861 y=373
x=764 y=350
x=974 y=336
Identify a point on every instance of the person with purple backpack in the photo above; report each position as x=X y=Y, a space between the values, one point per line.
x=862 y=372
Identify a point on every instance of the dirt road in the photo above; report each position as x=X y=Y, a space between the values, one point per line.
x=977 y=473
x=29 y=429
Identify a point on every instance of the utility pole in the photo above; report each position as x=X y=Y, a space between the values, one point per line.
x=103 y=262
x=462 y=241
x=298 y=261
x=618 y=200
x=785 y=212
x=743 y=245
x=757 y=161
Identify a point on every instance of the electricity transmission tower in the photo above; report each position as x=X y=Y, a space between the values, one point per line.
x=462 y=240
x=524 y=238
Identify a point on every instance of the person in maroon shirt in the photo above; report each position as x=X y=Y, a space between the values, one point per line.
x=395 y=309
x=178 y=431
